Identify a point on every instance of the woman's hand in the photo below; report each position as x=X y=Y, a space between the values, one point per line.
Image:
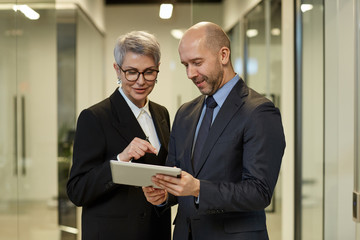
x=136 y=149
x=155 y=196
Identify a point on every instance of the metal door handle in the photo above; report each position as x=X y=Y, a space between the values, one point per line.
x=15 y=138
x=23 y=135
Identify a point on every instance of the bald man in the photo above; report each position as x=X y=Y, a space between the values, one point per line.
x=228 y=181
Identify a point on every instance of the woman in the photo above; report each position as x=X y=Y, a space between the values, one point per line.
x=126 y=126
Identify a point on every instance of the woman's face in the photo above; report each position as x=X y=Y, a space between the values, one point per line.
x=137 y=91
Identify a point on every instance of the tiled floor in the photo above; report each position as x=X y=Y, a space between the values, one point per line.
x=39 y=221
x=28 y=221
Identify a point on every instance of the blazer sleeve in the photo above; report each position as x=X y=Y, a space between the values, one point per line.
x=263 y=145
x=89 y=170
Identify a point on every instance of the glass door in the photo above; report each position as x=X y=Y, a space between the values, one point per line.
x=356 y=193
x=36 y=84
x=8 y=124
x=28 y=203
x=309 y=149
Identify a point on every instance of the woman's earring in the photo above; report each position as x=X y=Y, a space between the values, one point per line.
x=119 y=81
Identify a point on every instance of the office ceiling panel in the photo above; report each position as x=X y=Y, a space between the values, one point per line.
x=108 y=2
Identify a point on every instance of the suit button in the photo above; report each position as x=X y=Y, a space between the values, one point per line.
x=143 y=215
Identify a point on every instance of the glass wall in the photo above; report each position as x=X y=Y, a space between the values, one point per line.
x=8 y=126
x=28 y=155
x=356 y=193
x=309 y=199
x=39 y=71
x=66 y=115
x=262 y=72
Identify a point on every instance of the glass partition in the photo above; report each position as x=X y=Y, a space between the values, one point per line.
x=80 y=85
x=28 y=127
x=8 y=124
x=38 y=76
x=263 y=49
x=262 y=72
x=66 y=108
x=356 y=194
x=309 y=199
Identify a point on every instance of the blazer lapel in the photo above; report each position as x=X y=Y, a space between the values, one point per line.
x=232 y=104
x=124 y=120
x=161 y=125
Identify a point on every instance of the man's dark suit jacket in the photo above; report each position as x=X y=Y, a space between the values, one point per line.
x=238 y=169
x=111 y=211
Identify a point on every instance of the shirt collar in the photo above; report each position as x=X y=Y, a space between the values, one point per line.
x=135 y=109
x=221 y=94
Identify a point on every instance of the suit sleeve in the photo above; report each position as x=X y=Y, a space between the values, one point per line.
x=90 y=176
x=263 y=146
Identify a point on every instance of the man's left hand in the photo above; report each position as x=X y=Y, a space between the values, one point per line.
x=187 y=185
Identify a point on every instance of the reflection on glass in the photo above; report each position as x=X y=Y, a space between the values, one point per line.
x=312 y=122
x=263 y=48
x=36 y=83
x=66 y=46
x=8 y=126
x=261 y=36
x=255 y=74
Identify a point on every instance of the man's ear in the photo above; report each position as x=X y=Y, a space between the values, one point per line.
x=224 y=55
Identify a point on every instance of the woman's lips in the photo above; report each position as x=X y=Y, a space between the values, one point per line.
x=140 y=90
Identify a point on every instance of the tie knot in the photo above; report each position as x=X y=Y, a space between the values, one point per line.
x=210 y=102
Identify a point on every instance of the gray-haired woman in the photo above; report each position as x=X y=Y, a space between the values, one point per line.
x=126 y=126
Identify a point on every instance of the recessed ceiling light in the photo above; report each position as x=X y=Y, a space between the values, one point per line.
x=165 y=10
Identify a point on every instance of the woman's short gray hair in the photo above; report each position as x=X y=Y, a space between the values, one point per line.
x=138 y=42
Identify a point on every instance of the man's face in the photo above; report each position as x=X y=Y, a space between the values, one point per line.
x=203 y=66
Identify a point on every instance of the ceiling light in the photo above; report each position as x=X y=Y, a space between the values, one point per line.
x=275 y=31
x=27 y=11
x=177 y=33
x=165 y=11
x=306 y=7
x=251 y=33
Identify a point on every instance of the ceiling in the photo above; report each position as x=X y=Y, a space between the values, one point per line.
x=108 y=2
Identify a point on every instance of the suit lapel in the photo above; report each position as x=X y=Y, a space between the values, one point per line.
x=124 y=121
x=232 y=104
x=160 y=123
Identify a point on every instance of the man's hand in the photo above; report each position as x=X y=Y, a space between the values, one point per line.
x=155 y=196
x=136 y=149
x=187 y=185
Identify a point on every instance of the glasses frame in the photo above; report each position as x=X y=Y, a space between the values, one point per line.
x=138 y=74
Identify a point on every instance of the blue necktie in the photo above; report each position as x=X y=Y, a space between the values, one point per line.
x=204 y=129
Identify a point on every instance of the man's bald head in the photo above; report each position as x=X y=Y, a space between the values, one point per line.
x=211 y=34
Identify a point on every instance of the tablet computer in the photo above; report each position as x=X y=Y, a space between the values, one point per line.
x=139 y=174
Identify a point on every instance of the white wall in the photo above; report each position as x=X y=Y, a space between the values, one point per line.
x=234 y=10
x=93 y=8
x=339 y=119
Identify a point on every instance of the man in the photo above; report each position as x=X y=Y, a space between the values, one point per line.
x=226 y=185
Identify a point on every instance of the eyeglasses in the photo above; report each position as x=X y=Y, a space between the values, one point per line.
x=132 y=75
